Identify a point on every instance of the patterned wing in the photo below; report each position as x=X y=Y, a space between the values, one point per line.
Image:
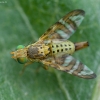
x=65 y=27
x=70 y=65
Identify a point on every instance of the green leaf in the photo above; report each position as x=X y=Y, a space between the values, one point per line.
x=22 y=23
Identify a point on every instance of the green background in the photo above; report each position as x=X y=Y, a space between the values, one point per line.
x=23 y=22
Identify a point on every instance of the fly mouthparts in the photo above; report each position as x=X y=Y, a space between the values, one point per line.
x=12 y=53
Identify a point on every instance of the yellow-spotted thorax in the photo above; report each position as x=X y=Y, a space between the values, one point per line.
x=31 y=52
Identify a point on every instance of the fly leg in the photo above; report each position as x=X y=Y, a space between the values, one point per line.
x=48 y=63
x=25 y=65
x=45 y=67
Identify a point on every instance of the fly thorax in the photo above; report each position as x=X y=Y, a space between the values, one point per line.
x=38 y=51
x=66 y=47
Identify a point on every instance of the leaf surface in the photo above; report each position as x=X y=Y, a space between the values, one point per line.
x=23 y=22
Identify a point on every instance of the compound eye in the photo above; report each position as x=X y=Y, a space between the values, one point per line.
x=20 y=47
x=21 y=60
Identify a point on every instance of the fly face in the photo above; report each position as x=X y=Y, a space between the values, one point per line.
x=20 y=54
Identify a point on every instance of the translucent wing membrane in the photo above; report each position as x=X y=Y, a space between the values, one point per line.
x=65 y=27
x=70 y=65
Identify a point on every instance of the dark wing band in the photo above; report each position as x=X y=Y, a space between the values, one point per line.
x=65 y=27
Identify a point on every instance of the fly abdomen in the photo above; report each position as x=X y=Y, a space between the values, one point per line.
x=66 y=47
